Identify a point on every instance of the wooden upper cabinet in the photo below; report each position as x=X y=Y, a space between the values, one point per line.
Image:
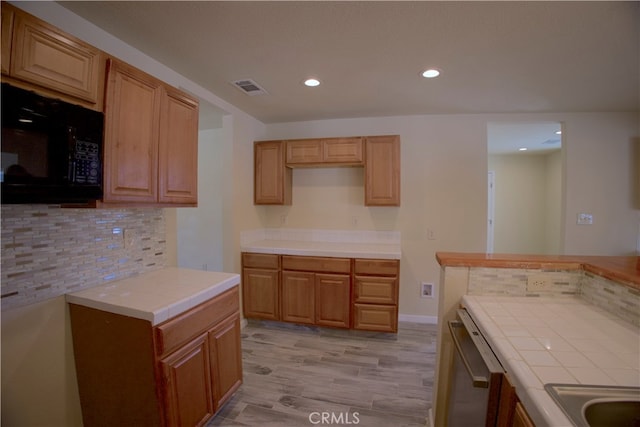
x=382 y=171
x=150 y=140
x=325 y=152
x=272 y=179
x=178 y=149
x=132 y=112
x=46 y=56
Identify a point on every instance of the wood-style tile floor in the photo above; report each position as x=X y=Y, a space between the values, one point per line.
x=295 y=376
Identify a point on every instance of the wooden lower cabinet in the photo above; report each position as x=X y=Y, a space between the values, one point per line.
x=177 y=373
x=325 y=291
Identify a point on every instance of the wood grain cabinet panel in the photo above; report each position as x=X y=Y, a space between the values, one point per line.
x=304 y=151
x=272 y=179
x=226 y=360
x=8 y=13
x=327 y=152
x=298 y=297
x=375 y=294
x=151 y=140
x=132 y=112
x=46 y=56
x=178 y=149
x=261 y=285
x=348 y=151
x=382 y=171
x=332 y=300
x=374 y=317
x=187 y=389
x=261 y=293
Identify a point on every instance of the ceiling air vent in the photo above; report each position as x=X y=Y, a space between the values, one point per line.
x=249 y=87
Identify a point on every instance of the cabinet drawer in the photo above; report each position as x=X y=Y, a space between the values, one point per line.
x=373 y=317
x=177 y=331
x=254 y=260
x=316 y=264
x=376 y=290
x=377 y=267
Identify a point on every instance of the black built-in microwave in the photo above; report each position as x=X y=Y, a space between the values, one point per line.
x=51 y=149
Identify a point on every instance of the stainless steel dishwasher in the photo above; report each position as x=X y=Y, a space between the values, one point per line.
x=474 y=392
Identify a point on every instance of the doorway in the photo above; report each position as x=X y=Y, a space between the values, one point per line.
x=524 y=187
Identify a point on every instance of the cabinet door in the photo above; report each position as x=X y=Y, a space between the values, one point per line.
x=332 y=300
x=226 y=359
x=187 y=384
x=260 y=293
x=46 y=56
x=304 y=151
x=298 y=297
x=343 y=151
x=382 y=171
x=132 y=108
x=178 y=149
x=272 y=185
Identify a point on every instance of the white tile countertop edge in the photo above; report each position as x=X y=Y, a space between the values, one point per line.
x=320 y=242
x=158 y=295
x=327 y=249
x=573 y=325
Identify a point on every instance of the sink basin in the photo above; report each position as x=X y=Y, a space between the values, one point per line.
x=598 y=406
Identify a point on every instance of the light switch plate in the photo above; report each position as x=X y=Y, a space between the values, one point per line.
x=585 y=219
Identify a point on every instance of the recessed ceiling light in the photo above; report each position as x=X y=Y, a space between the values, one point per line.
x=312 y=82
x=430 y=73
x=522 y=149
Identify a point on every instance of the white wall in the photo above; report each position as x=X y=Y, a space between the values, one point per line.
x=199 y=237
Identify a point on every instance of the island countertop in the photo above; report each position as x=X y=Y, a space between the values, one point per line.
x=158 y=295
x=622 y=269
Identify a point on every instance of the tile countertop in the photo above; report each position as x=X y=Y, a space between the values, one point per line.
x=556 y=340
x=622 y=269
x=158 y=295
x=328 y=249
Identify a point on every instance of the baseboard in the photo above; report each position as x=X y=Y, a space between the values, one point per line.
x=432 y=320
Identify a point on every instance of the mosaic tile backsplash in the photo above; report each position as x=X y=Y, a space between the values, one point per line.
x=614 y=297
x=48 y=251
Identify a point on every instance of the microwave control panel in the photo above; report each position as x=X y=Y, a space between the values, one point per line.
x=87 y=163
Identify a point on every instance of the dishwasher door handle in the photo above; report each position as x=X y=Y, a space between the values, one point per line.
x=478 y=380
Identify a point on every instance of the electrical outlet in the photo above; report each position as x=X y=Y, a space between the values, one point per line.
x=426 y=290
x=538 y=282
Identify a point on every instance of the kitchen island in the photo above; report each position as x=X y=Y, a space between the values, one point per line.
x=162 y=348
x=594 y=287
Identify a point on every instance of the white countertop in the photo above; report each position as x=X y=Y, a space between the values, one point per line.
x=158 y=295
x=556 y=340
x=328 y=249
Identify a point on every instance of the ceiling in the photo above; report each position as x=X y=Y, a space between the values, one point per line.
x=495 y=57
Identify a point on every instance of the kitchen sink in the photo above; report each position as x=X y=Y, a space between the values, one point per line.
x=598 y=406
